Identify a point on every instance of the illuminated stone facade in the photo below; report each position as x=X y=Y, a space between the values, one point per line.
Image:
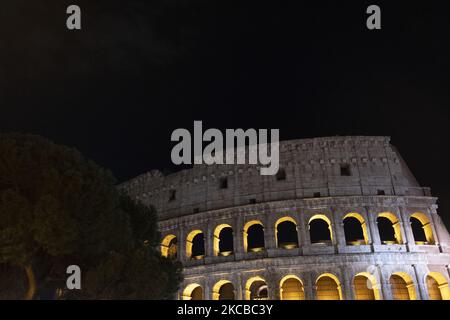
x=326 y=189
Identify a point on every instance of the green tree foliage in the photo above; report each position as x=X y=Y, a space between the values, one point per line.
x=57 y=209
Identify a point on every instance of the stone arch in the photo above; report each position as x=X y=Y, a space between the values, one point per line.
x=320 y=231
x=355 y=229
x=223 y=290
x=223 y=233
x=169 y=246
x=291 y=288
x=423 y=232
x=389 y=228
x=366 y=287
x=328 y=287
x=286 y=235
x=402 y=286
x=195 y=245
x=193 y=291
x=253 y=236
x=437 y=286
x=256 y=289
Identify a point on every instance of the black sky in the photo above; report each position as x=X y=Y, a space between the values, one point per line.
x=140 y=69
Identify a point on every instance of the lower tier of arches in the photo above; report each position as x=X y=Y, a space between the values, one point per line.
x=338 y=282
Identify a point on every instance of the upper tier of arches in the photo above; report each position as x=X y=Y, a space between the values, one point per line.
x=319 y=232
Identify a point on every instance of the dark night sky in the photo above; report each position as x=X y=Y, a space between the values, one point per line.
x=140 y=69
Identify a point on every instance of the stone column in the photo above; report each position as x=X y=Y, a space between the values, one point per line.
x=438 y=229
x=385 y=285
x=208 y=241
x=273 y=290
x=207 y=290
x=300 y=235
x=402 y=231
x=239 y=290
x=303 y=232
x=269 y=238
x=365 y=216
x=433 y=228
x=373 y=227
x=386 y=290
x=238 y=239
x=181 y=252
x=448 y=270
x=421 y=291
x=405 y=225
x=338 y=231
x=347 y=286
x=379 y=278
x=309 y=287
x=339 y=234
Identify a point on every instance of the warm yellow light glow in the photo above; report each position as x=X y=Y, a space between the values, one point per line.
x=363 y=227
x=216 y=291
x=395 y=224
x=249 y=284
x=216 y=242
x=284 y=219
x=192 y=292
x=426 y=226
x=402 y=286
x=189 y=239
x=245 y=235
x=291 y=288
x=328 y=287
x=281 y=220
x=289 y=246
x=437 y=286
x=366 y=287
x=324 y=218
x=166 y=247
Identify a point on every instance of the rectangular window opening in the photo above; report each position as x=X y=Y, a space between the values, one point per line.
x=345 y=170
x=172 y=195
x=223 y=183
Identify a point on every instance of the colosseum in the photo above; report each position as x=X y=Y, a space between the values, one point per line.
x=344 y=218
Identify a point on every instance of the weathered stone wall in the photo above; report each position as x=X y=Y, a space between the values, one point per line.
x=312 y=166
x=379 y=182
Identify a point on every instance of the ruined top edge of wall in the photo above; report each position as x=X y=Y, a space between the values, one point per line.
x=308 y=144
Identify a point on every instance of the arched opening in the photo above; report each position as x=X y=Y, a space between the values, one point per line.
x=223 y=240
x=389 y=228
x=256 y=289
x=223 y=290
x=169 y=246
x=328 y=287
x=193 y=292
x=365 y=287
x=402 y=286
x=437 y=286
x=195 y=245
x=286 y=233
x=254 y=236
x=320 y=230
x=421 y=228
x=291 y=288
x=355 y=229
